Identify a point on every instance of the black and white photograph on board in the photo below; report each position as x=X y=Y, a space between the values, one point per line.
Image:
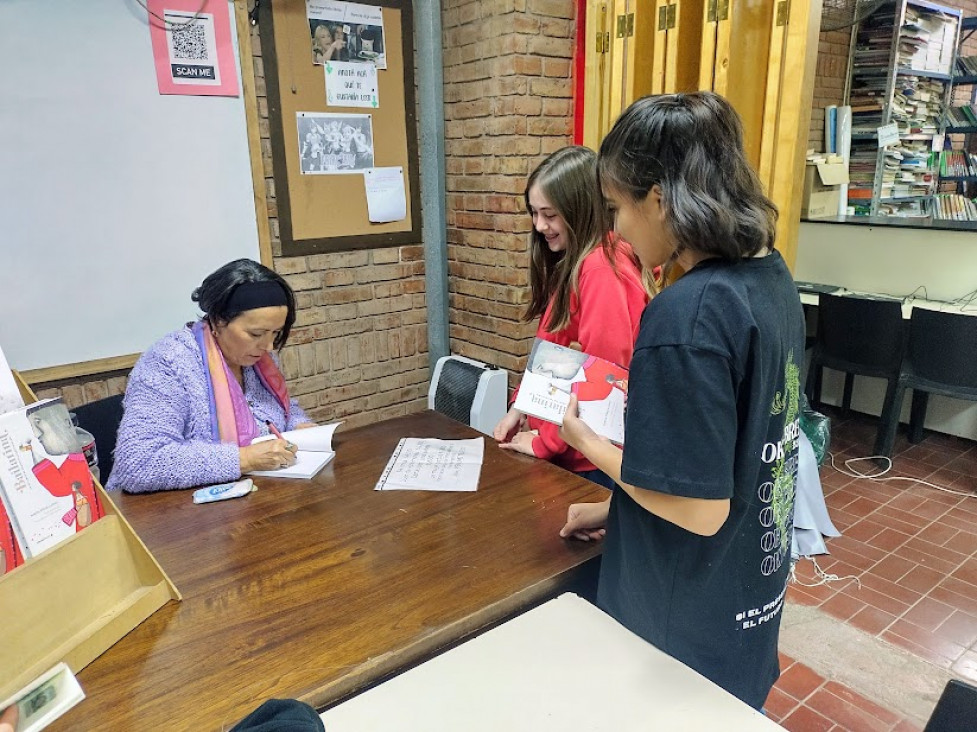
x=334 y=143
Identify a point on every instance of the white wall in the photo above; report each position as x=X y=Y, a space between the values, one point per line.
x=895 y=261
x=115 y=200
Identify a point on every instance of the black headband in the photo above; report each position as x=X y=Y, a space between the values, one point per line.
x=253 y=295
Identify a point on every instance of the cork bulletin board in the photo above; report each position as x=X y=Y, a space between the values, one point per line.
x=324 y=213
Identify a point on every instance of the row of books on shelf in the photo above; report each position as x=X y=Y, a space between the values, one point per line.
x=927 y=40
x=957 y=163
x=47 y=492
x=916 y=107
x=966 y=66
x=962 y=116
x=954 y=207
x=910 y=208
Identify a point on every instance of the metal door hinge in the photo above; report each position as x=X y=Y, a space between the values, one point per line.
x=722 y=10
x=783 y=12
x=622 y=24
x=663 y=17
x=672 y=12
x=711 y=13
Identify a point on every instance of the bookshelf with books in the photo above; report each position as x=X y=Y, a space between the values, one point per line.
x=958 y=164
x=899 y=89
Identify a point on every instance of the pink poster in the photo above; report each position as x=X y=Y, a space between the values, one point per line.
x=192 y=47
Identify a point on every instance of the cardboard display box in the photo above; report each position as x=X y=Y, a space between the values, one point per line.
x=822 y=189
x=75 y=600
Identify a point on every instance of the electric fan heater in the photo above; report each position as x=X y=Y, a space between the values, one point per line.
x=469 y=391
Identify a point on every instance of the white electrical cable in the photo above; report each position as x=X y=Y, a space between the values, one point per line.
x=852 y=472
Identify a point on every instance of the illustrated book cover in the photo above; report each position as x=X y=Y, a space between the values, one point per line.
x=555 y=372
x=46 y=486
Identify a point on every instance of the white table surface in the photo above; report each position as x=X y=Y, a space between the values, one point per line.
x=564 y=665
x=812 y=298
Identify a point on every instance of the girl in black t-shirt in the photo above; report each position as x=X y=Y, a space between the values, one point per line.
x=697 y=542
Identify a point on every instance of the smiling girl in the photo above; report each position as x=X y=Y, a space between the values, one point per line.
x=586 y=289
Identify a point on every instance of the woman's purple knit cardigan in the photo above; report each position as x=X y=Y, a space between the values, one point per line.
x=165 y=437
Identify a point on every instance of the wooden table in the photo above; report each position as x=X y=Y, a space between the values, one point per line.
x=313 y=589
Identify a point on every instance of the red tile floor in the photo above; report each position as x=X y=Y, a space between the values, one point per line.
x=914 y=550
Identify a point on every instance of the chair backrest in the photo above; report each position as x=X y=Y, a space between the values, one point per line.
x=861 y=331
x=102 y=418
x=943 y=347
x=957 y=708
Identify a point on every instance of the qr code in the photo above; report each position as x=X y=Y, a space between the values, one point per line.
x=190 y=42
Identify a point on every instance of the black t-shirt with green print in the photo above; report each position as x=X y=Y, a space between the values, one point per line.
x=712 y=413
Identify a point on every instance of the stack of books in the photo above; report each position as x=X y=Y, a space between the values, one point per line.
x=966 y=66
x=962 y=116
x=954 y=207
x=957 y=163
x=47 y=493
x=927 y=40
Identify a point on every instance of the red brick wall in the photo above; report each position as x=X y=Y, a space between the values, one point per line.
x=829 y=83
x=508 y=103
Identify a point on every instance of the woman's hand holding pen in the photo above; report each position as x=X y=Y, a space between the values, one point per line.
x=268 y=454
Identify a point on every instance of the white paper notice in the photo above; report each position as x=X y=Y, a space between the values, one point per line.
x=433 y=465
x=351 y=85
x=888 y=134
x=386 y=198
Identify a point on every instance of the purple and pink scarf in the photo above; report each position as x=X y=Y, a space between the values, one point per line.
x=231 y=419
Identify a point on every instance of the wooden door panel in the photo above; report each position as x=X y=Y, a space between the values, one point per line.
x=684 y=46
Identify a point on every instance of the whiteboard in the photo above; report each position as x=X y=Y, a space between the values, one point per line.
x=115 y=201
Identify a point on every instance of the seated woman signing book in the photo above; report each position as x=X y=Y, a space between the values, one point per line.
x=198 y=397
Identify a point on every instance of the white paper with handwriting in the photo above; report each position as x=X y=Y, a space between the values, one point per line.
x=422 y=464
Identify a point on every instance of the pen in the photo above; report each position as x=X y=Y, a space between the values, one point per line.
x=274 y=429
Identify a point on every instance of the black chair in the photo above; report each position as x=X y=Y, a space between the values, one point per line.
x=941 y=359
x=102 y=418
x=956 y=710
x=857 y=335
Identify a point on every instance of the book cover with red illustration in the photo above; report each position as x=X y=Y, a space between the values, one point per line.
x=46 y=486
x=555 y=372
x=10 y=555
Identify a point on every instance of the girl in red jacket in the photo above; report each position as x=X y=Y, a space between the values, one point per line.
x=586 y=285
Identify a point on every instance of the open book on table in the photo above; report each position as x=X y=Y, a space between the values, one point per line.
x=555 y=372
x=314 y=451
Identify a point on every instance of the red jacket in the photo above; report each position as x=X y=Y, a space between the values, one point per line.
x=605 y=312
